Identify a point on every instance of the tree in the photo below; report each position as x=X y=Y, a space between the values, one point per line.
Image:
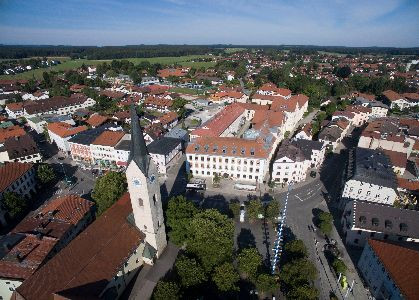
x=296 y=249
x=266 y=284
x=179 y=214
x=225 y=277
x=108 y=189
x=298 y=272
x=15 y=204
x=325 y=222
x=249 y=262
x=255 y=208
x=235 y=208
x=216 y=179
x=178 y=106
x=135 y=76
x=166 y=290
x=189 y=271
x=339 y=266
x=111 y=74
x=273 y=210
x=343 y=72
x=303 y=292
x=45 y=174
x=210 y=238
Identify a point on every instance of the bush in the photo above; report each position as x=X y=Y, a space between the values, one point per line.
x=235 y=208
x=272 y=210
x=339 y=266
x=249 y=262
x=166 y=291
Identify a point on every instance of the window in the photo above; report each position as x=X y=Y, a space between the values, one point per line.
x=368 y=193
x=242 y=151
x=197 y=147
x=403 y=227
x=375 y=221
x=362 y=220
x=359 y=232
x=224 y=150
x=372 y=234
x=359 y=191
x=388 y=224
x=215 y=147
x=252 y=151
x=385 y=236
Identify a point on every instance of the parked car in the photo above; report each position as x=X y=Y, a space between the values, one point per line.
x=242 y=213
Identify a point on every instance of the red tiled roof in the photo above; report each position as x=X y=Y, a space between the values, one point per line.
x=402 y=264
x=168 y=117
x=157 y=101
x=171 y=72
x=13 y=131
x=391 y=95
x=407 y=184
x=273 y=118
x=398 y=159
x=64 y=129
x=96 y=120
x=25 y=257
x=272 y=87
x=220 y=122
x=94 y=256
x=108 y=138
x=112 y=94
x=17 y=106
x=12 y=171
x=68 y=208
x=254 y=106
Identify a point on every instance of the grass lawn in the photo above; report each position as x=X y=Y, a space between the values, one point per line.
x=186 y=91
x=68 y=64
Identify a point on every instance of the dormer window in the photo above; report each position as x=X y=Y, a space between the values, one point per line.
x=234 y=150
x=252 y=151
x=224 y=150
x=215 y=148
x=197 y=148
x=242 y=151
x=206 y=148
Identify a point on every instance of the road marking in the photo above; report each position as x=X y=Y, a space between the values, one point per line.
x=299 y=198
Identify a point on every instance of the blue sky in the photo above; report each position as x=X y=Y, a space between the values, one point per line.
x=303 y=22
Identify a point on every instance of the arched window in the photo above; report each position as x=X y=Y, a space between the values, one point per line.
x=362 y=220
x=403 y=227
x=375 y=221
x=388 y=224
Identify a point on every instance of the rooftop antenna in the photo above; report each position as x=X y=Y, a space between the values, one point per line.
x=278 y=244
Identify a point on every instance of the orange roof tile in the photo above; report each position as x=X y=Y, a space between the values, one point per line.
x=108 y=138
x=13 y=131
x=402 y=264
x=96 y=120
x=64 y=129
x=12 y=171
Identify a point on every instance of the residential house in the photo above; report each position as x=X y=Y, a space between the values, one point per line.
x=391 y=270
x=20 y=149
x=60 y=133
x=165 y=152
x=18 y=178
x=369 y=177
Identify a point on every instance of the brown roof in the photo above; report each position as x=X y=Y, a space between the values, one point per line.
x=232 y=145
x=408 y=184
x=402 y=264
x=25 y=257
x=12 y=171
x=9 y=132
x=64 y=129
x=54 y=103
x=254 y=106
x=112 y=94
x=15 y=106
x=158 y=101
x=20 y=146
x=96 y=120
x=90 y=261
x=391 y=95
x=168 y=117
x=108 y=138
x=272 y=118
x=398 y=159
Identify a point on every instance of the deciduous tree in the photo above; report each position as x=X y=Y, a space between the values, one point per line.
x=225 y=277
x=108 y=189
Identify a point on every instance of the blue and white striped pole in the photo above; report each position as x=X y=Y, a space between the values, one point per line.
x=279 y=240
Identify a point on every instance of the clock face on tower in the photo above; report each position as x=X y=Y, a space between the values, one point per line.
x=152 y=178
x=136 y=182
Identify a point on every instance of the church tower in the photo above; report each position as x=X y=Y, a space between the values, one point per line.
x=144 y=189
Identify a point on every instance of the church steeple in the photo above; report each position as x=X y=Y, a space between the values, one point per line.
x=139 y=153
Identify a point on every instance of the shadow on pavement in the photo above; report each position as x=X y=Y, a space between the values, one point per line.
x=245 y=239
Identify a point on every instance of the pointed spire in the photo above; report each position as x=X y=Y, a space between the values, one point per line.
x=138 y=153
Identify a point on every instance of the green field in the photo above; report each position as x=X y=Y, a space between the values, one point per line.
x=187 y=91
x=68 y=64
x=233 y=50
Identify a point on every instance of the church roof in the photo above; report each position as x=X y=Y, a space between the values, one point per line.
x=138 y=153
x=90 y=261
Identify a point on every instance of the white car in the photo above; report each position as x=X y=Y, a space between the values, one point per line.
x=242 y=213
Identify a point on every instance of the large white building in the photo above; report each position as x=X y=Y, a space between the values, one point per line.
x=57 y=105
x=362 y=220
x=369 y=177
x=390 y=270
x=60 y=133
x=293 y=160
x=240 y=159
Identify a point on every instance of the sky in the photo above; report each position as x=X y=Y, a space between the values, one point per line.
x=246 y=22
